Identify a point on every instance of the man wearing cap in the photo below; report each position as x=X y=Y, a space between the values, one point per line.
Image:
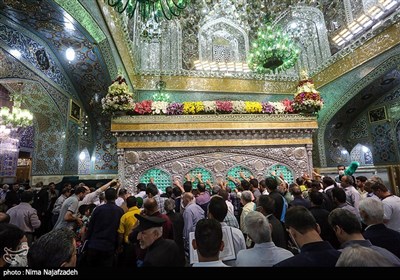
x=160 y=252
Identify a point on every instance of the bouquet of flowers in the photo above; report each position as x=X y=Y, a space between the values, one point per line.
x=307 y=99
x=118 y=98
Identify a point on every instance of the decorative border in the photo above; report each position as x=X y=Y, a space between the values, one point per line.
x=219 y=118
x=213 y=143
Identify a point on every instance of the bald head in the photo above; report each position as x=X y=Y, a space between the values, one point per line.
x=150 y=206
x=187 y=198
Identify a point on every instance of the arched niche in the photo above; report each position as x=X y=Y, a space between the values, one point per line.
x=339 y=155
x=222 y=40
x=160 y=50
x=306 y=26
x=235 y=173
x=361 y=154
x=205 y=175
x=162 y=179
x=281 y=169
x=48 y=122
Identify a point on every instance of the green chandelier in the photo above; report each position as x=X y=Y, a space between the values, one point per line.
x=16 y=117
x=159 y=9
x=273 y=51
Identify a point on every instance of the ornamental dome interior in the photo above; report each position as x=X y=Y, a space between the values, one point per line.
x=61 y=56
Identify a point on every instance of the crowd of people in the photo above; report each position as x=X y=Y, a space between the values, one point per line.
x=342 y=221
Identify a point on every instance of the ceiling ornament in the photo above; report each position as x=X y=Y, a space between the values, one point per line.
x=157 y=9
x=273 y=51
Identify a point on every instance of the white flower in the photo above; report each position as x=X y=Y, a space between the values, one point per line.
x=238 y=107
x=158 y=107
x=210 y=106
x=279 y=107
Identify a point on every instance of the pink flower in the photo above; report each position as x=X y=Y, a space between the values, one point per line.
x=143 y=107
x=224 y=106
x=288 y=105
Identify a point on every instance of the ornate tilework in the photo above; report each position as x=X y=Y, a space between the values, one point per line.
x=359 y=128
x=383 y=145
x=339 y=155
x=72 y=155
x=8 y=156
x=393 y=96
x=106 y=160
x=28 y=47
x=27 y=138
x=344 y=94
x=49 y=145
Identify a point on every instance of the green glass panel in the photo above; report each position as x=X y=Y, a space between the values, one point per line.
x=278 y=169
x=205 y=175
x=235 y=173
x=161 y=178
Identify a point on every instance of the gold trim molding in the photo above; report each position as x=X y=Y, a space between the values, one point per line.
x=117 y=127
x=212 y=122
x=183 y=83
x=213 y=143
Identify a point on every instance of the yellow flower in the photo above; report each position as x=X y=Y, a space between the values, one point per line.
x=199 y=107
x=253 y=107
x=189 y=108
x=193 y=107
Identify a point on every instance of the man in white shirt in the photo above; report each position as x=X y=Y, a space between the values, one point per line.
x=93 y=197
x=391 y=206
x=217 y=209
x=208 y=243
x=264 y=253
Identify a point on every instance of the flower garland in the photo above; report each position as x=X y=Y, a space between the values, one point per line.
x=307 y=100
x=150 y=107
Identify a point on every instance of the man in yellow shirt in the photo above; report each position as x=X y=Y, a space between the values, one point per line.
x=127 y=256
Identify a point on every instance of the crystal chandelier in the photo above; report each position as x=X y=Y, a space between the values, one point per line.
x=273 y=51
x=161 y=95
x=161 y=85
x=16 y=117
x=158 y=9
